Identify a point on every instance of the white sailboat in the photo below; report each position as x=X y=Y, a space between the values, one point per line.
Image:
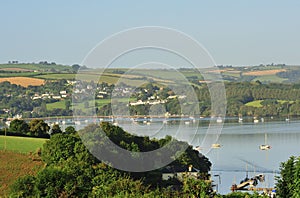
x=219 y=120
x=216 y=145
x=265 y=146
x=240 y=119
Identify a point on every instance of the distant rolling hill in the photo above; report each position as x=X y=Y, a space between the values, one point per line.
x=52 y=71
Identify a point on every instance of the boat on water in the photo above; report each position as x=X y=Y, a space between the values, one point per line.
x=240 y=119
x=216 y=145
x=77 y=122
x=198 y=148
x=115 y=124
x=219 y=120
x=265 y=146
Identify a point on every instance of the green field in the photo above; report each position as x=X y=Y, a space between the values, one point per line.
x=21 y=74
x=256 y=103
x=171 y=75
x=56 y=105
x=57 y=76
x=21 y=144
x=269 y=78
x=232 y=74
x=30 y=66
x=89 y=76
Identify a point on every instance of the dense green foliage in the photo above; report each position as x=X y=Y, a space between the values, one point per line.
x=38 y=127
x=35 y=128
x=72 y=171
x=244 y=195
x=288 y=183
x=19 y=126
x=238 y=94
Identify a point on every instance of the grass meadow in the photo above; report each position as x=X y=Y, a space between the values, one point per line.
x=21 y=144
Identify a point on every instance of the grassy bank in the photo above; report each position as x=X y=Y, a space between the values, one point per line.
x=21 y=144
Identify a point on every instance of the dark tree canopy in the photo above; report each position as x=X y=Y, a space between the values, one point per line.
x=18 y=126
x=38 y=127
x=55 y=129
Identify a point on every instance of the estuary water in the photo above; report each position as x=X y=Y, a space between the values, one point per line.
x=239 y=153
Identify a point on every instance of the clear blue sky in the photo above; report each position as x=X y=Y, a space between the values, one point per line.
x=237 y=32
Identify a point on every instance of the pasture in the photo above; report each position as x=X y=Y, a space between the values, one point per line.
x=21 y=144
x=269 y=78
x=96 y=77
x=256 y=103
x=32 y=67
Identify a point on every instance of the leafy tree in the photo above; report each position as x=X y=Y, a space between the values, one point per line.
x=43 y=106
x=38 y=127
x=19 y=126
x=55 y=129
x=296 y=183
x=197 y=188
x=54 y=182
x=288 y=182
x=23 y=187
x=70 y=130
x=59 y=148
x=75 y=67
x=68 y=104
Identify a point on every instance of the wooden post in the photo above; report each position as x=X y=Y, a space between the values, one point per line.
x=5 y=139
